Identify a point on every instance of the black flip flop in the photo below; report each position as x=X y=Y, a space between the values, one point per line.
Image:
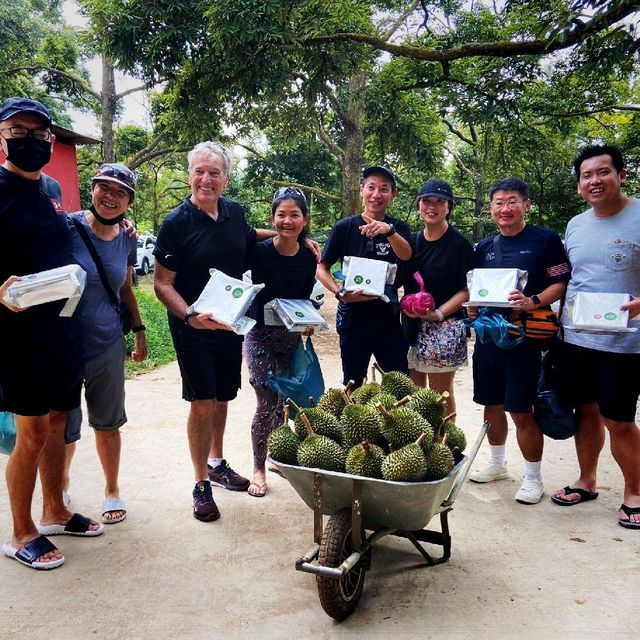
x=627 y=524
x=585 y=496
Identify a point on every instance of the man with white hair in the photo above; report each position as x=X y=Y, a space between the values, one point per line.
x=205 y=231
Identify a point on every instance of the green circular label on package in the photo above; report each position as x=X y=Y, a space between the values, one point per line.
x=300 y=314
x=237 y=292
x=610 y=316
x=483 y=293
x=358 y=279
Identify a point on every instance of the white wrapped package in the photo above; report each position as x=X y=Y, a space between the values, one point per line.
x=296 y=315
x=227 y=300
x=600 y=312
x=491 y=287
x=368 y=276
x=48 y=286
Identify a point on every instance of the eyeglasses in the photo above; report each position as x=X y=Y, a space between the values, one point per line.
x=289 y=192
x=24 y=132
x=122 y=173
x=510 y=204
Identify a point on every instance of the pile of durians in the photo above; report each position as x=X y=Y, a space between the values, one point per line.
x=390 y=430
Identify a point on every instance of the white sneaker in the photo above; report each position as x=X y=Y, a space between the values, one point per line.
x=490 y=472
x=530 y=492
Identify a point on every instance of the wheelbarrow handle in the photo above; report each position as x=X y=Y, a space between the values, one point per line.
x=462 y=476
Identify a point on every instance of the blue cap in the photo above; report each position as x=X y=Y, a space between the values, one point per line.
x=436 y=188
x=12 y=106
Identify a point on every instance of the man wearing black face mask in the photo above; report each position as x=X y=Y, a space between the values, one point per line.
x=40 y=365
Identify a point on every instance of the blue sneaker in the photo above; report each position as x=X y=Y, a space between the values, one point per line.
x=204 y=507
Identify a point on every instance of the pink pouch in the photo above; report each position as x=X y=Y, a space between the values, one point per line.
x=419 y=302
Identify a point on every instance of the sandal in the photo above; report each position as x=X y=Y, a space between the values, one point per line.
x=260 y=490
x=110 y=505
x=626 y=522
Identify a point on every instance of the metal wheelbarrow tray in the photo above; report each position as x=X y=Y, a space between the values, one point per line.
x=339 y=559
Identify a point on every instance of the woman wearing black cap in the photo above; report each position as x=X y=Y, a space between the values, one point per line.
x=442 y=256
x=97 y=231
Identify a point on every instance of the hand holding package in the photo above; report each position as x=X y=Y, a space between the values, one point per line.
x=48 y=286
x=295 y=315
x=491 y=287
x=368 y=276
x=600 y=312
x=227 y=300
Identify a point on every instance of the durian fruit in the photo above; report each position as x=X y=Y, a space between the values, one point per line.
x=363 y=394
x=396 y=383
x=455 y=436
x=407 y=464
x=385 y=399
x=332 y=400
x=283 y=443
x=322 y=422
x=430 y=405
x=365 y=459
x=320 y=452
x=360 y=422
x=439 y=462
x=402 y=426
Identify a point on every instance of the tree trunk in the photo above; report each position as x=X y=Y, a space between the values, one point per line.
x=109 y=104
x=354 y=146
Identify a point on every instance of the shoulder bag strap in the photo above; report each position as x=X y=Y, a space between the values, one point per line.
x=497 y=250
x=96 y=259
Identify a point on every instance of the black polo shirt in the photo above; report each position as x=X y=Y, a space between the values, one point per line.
x=190 y=243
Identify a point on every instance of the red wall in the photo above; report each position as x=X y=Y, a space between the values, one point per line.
x=63 y=168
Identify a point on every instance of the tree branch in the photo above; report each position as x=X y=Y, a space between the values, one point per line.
x=400 y=20
x=156 y=154
x=503 y=49
x=457 y=133
x=81 y=82
x=329 y=143
x=135 y=161
x=612 y=107
x=304 y=187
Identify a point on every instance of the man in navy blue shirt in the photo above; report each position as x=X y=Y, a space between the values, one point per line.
x=40 y=364
x=506 y=379
x=366 y=325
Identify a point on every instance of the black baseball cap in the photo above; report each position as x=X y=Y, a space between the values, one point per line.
x=436 y=188
x=387 y=172
x=12 y=106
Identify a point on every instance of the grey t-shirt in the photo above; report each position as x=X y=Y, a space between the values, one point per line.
x=605 y=258
x=99 y=321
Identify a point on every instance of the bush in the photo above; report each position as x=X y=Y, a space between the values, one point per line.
x=159 y=344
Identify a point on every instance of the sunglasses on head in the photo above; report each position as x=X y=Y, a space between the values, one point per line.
x=289 y=192
x=123 y=174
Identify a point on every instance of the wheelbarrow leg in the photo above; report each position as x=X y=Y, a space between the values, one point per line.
x=441 y=538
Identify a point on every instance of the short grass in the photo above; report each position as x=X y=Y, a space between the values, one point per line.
x=154 y=317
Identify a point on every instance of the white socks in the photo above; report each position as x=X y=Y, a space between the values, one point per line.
x=214 y=462
x=532 y=470
x=498 y=453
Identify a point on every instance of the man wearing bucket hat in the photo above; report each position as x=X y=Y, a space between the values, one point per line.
x=366 y=325
x=507 y=379
x=97 y=231
x=40 y=365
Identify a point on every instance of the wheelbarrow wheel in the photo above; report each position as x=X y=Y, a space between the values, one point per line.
x=339 y=597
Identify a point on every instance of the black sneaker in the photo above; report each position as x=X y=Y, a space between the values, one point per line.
x=226 y=477
x=204 y=508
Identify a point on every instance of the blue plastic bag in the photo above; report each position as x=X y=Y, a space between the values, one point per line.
x=7 y=432
x=304 y=378
x=492 y=326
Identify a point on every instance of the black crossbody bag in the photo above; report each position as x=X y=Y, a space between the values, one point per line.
x=122 y=308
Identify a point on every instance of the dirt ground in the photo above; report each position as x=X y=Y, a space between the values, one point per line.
x=515 y=572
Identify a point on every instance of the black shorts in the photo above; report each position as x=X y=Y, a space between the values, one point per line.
x=506 y=376
x=612 y=380
x=386 y=344
x=210 y=374
x=41 y=373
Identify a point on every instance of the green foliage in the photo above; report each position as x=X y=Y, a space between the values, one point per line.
x=160 y=346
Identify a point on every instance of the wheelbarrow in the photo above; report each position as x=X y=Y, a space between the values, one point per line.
x=341 y=554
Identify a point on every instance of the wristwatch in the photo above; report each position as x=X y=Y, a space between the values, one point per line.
x=190 y=313
x=391 y=231
x=339 y=293
x=536 y=300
